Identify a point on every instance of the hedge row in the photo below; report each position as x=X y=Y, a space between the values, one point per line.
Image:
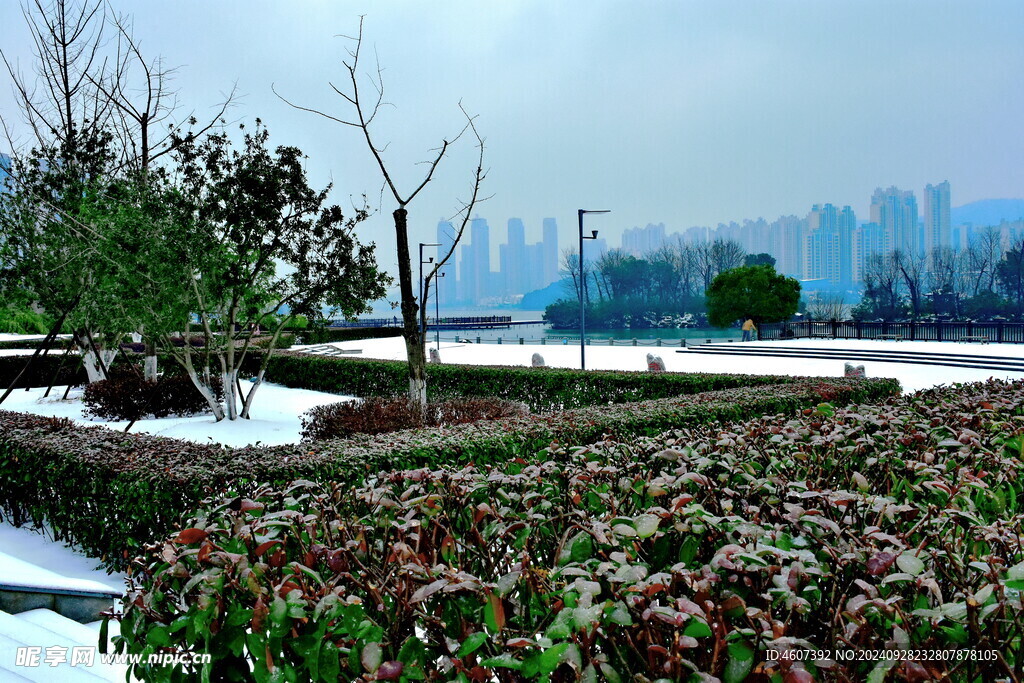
x=543 y=389
x=328 y=336
x=110 y=491
x=43 y=370
x=889 y=534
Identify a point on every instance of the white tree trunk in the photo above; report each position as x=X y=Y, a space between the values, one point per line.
x=252 y=392
x=149 y=369
x=211 y=398
x=230 y=394
x=93 y=371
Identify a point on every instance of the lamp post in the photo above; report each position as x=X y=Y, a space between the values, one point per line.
x=583 y=298
x=437 y=309
x=422 y=291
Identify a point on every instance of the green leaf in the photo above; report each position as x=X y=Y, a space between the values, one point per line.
x=472 y=643
x=550 y=658
x=646 y=525
x=740 y=662
x=582 y=547
x=697 y=628
x=910 y=563
x=329 y=664
x=502 y=661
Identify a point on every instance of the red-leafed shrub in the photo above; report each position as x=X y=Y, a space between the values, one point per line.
x=127 y=396
x=376 y=415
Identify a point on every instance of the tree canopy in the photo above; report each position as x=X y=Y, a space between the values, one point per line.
x=756 y=292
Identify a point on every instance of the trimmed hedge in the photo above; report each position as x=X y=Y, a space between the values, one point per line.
x=42 y=370
x=57 y=345
x=329 y=335
x=729 y=552
x=111 y=492
x=543 y=389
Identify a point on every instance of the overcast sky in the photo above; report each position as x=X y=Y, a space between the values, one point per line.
x=687 y=113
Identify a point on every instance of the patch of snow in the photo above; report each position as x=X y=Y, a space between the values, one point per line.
x=24 y=545
x=600 y=357
x=275 y=416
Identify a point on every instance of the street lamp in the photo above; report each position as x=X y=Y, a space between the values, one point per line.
x=583 y=313
x=437 y=308
x=422 y=293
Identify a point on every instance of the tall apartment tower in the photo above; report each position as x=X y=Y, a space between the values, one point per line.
x=480 y=248
x=515 y=266
x=895 y=212
x=937 y=231
x=446 y=285
x=828 y=244
x=549 y=240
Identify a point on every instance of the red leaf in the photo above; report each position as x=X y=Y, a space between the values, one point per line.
x=390 y=671
x=880 y=563
x=204 y=552
x=264 y=547
x=336 y=561
x=259 y=615
x=277 y=559
x=247 y=505
x=190 y=536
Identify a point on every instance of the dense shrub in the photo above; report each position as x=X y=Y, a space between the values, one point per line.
x=195 y=341
x=376 y=415
x=284 y=341
x=55 y=366
x=542 y=389
x=322 y=335
x=127 y=396
x=110 y=491
x=730 y=551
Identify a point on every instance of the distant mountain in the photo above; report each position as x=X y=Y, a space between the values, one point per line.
x=988 y=212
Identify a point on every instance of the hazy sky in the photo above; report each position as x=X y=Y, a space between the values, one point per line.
x=687 y=113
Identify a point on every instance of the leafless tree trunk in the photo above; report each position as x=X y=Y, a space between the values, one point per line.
x=363 y=114
x=912 y=270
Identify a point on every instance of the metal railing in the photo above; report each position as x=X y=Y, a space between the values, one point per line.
x=939 y=330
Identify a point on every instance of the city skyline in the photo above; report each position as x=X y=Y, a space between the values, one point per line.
x=684 y=112
x=828 y=243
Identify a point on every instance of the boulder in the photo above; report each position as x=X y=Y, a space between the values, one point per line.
x=537 y=361
x=655 y=363
x=852 y=370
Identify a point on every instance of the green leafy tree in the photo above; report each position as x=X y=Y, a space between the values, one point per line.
x=761 y=259
x=248 y=242
x=757 y=292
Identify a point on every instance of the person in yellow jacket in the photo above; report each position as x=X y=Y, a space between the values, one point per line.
x=749 y=329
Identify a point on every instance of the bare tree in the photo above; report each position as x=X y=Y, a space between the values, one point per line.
x=984 y=254
x=364 y=111
x=912 y=270
x=826 y=306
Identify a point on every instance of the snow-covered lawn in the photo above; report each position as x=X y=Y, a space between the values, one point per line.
x=911 y=377
x=37 y=547
x=275 y=416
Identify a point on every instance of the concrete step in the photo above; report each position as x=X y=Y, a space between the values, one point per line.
x=49 y=641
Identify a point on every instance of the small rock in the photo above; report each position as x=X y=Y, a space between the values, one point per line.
x=852 y=370
x=537 y=361
x=435 y=356
x=655 y=363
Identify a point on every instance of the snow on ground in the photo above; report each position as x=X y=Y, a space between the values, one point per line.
x=275 y=416
x=37 y=547
x=911 y=377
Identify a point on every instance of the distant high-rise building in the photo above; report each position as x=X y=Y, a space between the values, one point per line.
x=868 y=239
x=787 y=245
x=514 y=268
x=828 y=244
x=642 y=241
x=480 y=236
x=446 y=285
x=937 y=231
x=895 y=212
x=549 y=240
